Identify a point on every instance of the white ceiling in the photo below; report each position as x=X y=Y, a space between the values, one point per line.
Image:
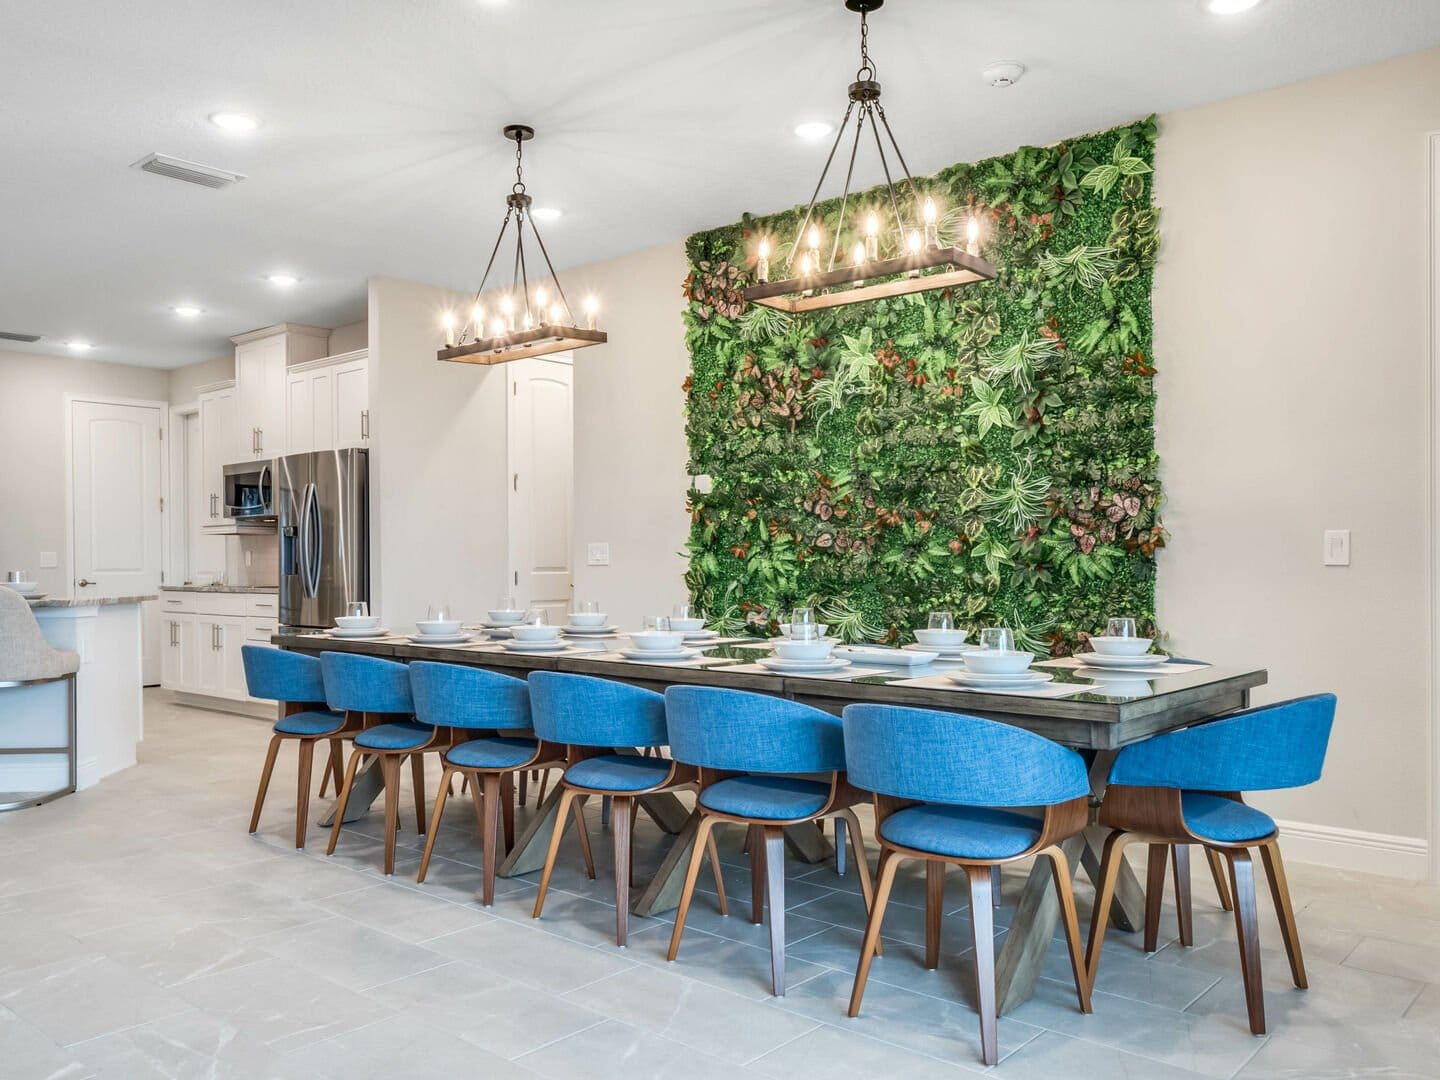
x=379 y=151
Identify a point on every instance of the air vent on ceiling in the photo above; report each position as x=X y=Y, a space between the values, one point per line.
x=189 y=171
x=8 y=336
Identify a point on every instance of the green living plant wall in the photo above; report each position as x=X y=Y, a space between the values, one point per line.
x=988 y=450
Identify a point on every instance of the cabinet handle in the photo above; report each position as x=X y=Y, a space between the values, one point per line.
x=259 y=440
x=364 y=423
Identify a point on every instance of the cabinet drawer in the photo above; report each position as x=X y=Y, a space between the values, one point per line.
x=258 y=631
x=232 y=605
x=177 y=602
x=265 y=607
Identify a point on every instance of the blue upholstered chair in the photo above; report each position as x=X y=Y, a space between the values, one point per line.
x=596 y=719
x=944 y=787
x=489 y=715
x=1184 y=788
x=751 y=751
x=294 y=680
x=377 y=693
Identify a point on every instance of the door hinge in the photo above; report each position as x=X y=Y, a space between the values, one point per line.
x=515 y=482
x=161 y=433
x=517 y=577
x=162 y=504
x=514 y=389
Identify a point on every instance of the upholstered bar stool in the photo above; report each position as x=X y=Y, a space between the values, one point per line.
x=489 y=714
x=377 y=693
x=592 y=718
x=27 y=659
x=945 y=787
x=758 y=757
x=1184 y=788
x=294 y=680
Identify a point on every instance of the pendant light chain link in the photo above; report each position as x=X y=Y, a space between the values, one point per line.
x=867 y=70
x=518 y=187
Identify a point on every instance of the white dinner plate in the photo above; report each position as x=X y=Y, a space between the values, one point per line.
x=590 y=631
x=700 y=635
x=439 y=639
x=534 y=646
x=874 y=656
x=379 y=631
x=804 y=667
x=1094 y=659
x=1023 y=681
x=665 y=655
x=36 y=596
x=498 y=626
x=946 y=652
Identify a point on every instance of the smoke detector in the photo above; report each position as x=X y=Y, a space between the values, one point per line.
x=1003 y=73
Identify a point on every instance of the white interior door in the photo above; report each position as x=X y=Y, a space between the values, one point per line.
x=542 y=466
x=115 y=502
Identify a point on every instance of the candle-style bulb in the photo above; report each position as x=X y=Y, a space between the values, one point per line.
x=507 y=306
x=540 y=296
x=498 y=328
x=448 y=321
x=914 y=241
x=972 y=236
x=857 y=254
x=872 y=236
x=814 y=238
x=764 y=248
x=932 y=230
x=592 y=308
x=762 y=261
x=872 y=224
x=929 y=211
x=555 y=314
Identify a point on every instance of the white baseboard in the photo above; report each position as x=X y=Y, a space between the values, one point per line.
x=1354 y=849
x=45 y=773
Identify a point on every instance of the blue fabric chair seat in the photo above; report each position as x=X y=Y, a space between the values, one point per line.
x=618 y=772
x=777 y=798
x=492 y=752
x=316 y=722
x=398 y=736
x=1224 y=820
x=962 y=832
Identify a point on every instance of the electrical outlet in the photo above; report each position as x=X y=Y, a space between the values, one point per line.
x=597 y=555
x=48 y=560
x=1337 y=547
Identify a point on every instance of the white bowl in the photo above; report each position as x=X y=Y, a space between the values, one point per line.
x=357 y=622
x=439 y=627
x=535 y=633
x=941 y=638
x=584 y=618
x=506 y=617
x=24 y=588
x=657 y=640
x=997 y=661
x=686 y=625
x=1121 y=646
x=821 y=627
x=787 y=649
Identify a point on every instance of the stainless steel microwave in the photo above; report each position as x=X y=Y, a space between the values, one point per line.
x=250 y=492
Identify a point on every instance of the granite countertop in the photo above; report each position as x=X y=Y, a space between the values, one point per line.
x=89 y=601
x=271 y=589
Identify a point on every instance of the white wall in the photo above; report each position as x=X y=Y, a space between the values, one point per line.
x=33 y=484
x=186 y=381
x=1290 y=309
x=438 y=468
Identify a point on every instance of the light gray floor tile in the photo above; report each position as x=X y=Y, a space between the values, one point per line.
x=1407 y=960
x=407 y=914
x=410 y=1045
x=171 y=948
x=531 y=956
x=352 y=955
x=845 y=1055
x=1051 y=1055
x=508 y=1019
x=722 y=962
x=616 y=1051
x=84 y=998
x=26 y=1051
x=193 y=1044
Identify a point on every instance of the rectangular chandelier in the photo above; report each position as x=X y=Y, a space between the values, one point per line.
x=809 y=292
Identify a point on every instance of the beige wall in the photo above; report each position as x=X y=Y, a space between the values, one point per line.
x=1291 y=313
x=33 y=484
x=186 y=381
x=349 y=337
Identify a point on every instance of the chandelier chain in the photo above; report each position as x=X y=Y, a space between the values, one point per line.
x=518 y=188
x=867 y=67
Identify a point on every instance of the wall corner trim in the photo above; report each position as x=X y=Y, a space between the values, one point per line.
x=1354 y=849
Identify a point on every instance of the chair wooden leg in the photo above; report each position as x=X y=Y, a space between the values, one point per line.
x=862 y=864
x=716 y=871
x=332 y=768
x=302 y=790
x=1065 y=893
x=476 y=802
x=577 y=810
x=982 y=923
x=441 y=795
x=1154 y=894
x=934 y=910
x=757 y=874
x=889 y=862
x=1111 y=862
x=417 y=780
x=490 y=833
x=562 y=818
x=1217 y=873
x=390 y=770
x=544 y=783
x=1180 y=865
x=265 y=771
x=344 y=801
x=840 y=830
x=775 y=898
x=1242 y=892
x=1280 y=893
x=605 y=811
x=507 y=808
x=621 y=809
x=525 y=786
x=704 y=841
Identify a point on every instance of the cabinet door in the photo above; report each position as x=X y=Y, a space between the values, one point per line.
x=172 y=654
x=351 y=384
x=322 y=409
x=209 y=659
x=260 y=390
x=231 y=636
x=299 y=414
x=217 y=448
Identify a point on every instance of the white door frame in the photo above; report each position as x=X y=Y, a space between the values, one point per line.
x=512 y=560
x=1432 y=213
x=174 y=470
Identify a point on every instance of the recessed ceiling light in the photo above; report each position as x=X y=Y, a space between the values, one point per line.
x=79 y=346
x=187 y=311
x=547 y=213
x=1229 y=7
x=814 y=129
x=235 y=123
x=282 y=280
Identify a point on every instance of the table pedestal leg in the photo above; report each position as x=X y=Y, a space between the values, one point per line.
x=663 y=892
x=366 y=789
x=533 y=843
x=666 y=811
x=1127 y=912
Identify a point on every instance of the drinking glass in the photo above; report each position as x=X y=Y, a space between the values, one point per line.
x=655 y=622
x=357 y=609
x=804 y=631
x=536 y=616
x=942 y=620
x=997 y=637
x=686 y=611
x=589 y=607
x=439 y=613
x=505 y=603
x=1121 y=627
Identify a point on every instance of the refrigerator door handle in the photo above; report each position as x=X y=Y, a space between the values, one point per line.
x=306 y=540
x=314 y=541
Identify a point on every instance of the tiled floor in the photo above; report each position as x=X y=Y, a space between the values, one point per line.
x=143 y=933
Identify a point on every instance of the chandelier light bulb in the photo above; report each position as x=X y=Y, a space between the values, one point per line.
x=477 y=316
x=814 y=238
x=932 y=229
x=872 y=236
x=448 y=321
x=857 y=254
x=762 y=261
x=972 y=236
x=498 y=328
x=540 y=296
x=555 y=314
x=592 y=308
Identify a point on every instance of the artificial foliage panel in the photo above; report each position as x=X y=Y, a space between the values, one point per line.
x=988 y=451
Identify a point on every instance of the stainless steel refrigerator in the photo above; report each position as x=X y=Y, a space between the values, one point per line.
x=324 y=521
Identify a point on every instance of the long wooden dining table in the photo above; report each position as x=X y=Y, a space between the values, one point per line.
x=1097 y=721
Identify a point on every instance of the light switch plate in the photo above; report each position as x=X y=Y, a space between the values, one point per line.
x=597 y=555
x=48 y=561
x=1337 y=547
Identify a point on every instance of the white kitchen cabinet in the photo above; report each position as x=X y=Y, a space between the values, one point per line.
x=202 y=635
x=350 y=388
x=308 y=419
x=262 y=362
x=328 y=403
x=218 y=440
x=177 y=653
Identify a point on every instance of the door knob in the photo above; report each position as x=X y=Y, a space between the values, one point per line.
x=84 y=582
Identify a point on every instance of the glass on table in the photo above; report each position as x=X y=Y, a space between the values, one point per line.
x=941 y=620
x=356 y=609
x=438 y=613
x=655 y=622
x=997 y=637
x=589 y=607
x=506 y=603
x=1121 y=627
x=535 y=616
x=686 y=611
